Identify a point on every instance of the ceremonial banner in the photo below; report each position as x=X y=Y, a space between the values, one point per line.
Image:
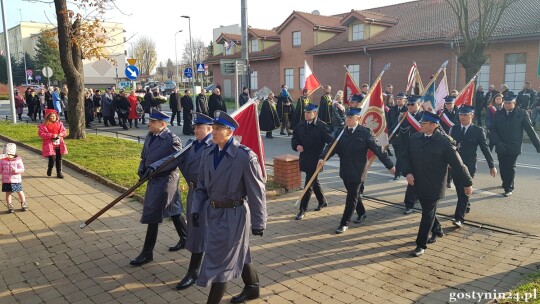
x=311 y=83
x=414 y=78
x=466 y=95
x=441 y=93
x=428 y=99
x=350 y=88
x=248 y=133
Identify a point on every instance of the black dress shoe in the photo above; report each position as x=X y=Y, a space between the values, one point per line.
x=142 y=259
x=250 y=292
x=395 y=178
x=281 y=133
x=360 y=219
x=300 y=215
x=49 y=171
x=408 y=211
x=60 y=175
x=320 y=206
x=180 y=245
x=434 y=237
x=418 y=252
x=341 y=229
x=190 y=279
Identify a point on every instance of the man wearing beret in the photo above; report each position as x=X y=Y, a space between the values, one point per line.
x=162 y=198
x=468 y=138
x=230 y=195
x=426 y=158
x=352 y=149
x=506 y=133
x=309 y=138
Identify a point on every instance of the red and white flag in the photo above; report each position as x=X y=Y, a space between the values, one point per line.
x=411 y=77
x=493 y=109
x=413 y=122
x=466 y=96
x=350 y=88
x=311 y=83
x=248 y=133
x=441 y=93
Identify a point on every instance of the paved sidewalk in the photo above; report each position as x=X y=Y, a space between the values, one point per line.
x=46 y=258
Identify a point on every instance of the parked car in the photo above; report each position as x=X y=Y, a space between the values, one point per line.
x=209 y=88
x=153 y=84
x=169 y=87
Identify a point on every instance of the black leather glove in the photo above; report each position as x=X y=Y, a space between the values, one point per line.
x=147 y=173
x=195 y=219
x=257 y=231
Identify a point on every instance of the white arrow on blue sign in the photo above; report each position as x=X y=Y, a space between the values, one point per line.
x=200 y=68
x=188 y=72
x=132 y=72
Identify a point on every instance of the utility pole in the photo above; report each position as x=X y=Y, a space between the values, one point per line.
x=8 y=65
x=245 y=46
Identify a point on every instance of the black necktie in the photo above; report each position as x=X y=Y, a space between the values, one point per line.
x=463 y=131
x=350 y=130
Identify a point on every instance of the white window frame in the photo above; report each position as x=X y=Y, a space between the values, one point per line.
x=254 y=80
x=289 y=78
x=254 y=45
x=515 y=71
x=354 y=69
x=296 y=39
x=357 y=32
x=484 y=74
x=301 y=77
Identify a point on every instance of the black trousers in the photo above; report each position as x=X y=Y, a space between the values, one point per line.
x=449 y=176
x=176 y=113
x=315 y=187
x=463 y=200
x=152 y=232
x=507 y=168
x=410 y=197
x=352 y=201
x=478 y=115
x=109 y=119
x=429 y=222
x=397 y=150
x=56 y=159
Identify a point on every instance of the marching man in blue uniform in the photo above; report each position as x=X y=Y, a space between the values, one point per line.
x=162 y=198
x=188 y=163
x=230 y=193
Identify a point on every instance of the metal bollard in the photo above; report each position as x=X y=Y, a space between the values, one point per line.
x=96 y=131
x=138 y=139
x=116 y=134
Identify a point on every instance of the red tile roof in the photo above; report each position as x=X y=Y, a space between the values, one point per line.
x=272 y=52
x=229 y=37
x=324 y=22
x=261 y=33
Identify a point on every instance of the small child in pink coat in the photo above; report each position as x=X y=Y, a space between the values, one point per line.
x=11 y=167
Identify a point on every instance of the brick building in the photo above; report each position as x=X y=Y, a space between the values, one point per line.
x=424 y=31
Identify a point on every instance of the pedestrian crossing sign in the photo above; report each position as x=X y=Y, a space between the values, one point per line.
x=200 y=67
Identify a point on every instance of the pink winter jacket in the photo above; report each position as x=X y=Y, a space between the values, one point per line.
x=47 y=148
x=7 y=165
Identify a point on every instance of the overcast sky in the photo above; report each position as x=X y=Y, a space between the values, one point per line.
x=160 y=19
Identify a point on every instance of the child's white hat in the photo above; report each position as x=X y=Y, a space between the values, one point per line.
x=10 y=149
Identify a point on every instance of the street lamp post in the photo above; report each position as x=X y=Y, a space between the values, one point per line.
x=176 y=55
x=24 y=59
x=192 y=66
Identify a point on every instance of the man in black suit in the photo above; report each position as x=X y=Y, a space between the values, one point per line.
x=352 y=149
x=506 y=133
x=468 y=137
x=393 y=120
x=426 y=159
x=406 y=130
x=309 y=138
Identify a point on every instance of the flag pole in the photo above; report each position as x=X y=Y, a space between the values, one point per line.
x=386 y=67
x=368 y=95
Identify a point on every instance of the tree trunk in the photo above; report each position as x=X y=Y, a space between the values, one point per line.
x=472 y=61
x=71 y=59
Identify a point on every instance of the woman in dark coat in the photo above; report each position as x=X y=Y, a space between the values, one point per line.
x=268 y=118
x=31 y=103
x=187 y=115
x=148 y=104
x=123 y=109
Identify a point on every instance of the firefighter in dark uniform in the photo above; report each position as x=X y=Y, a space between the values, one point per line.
x=356 y=102
x=406 y=130
x=309 y=138
x=468 y=138
x=162 y=198
x=449 y=118
x=352 y=149
x=301 y=104
x=426 y=159
x=506 y=133
x=394 y=116
x=188 y=163
x=325 y=107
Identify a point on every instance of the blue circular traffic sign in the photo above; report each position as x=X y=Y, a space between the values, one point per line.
x=132 y=72
x=188 y=72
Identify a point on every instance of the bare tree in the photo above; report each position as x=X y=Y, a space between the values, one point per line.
x=199 y=52
x=477 y=20
x=144 y=50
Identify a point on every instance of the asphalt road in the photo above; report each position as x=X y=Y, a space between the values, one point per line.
x=520 y=212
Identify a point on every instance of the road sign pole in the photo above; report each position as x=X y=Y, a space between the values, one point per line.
x=236 y=83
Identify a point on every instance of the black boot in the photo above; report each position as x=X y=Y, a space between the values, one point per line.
x=59 y=169
x=216 y=293
x=180 y=245
x=148 y=248
x=181 y=228
x=193 y=272
x=251 y=280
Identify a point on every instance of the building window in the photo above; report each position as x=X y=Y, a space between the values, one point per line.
x=354 y=69
x=296 y=38
x=514 y=71
x=253 y=82
x=301 y=78
x=289 y=78
x=229 y=50
x=483 y=75
x=358 y=32
x=255 y=45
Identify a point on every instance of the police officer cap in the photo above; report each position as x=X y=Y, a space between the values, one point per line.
x=401 y=95
x=413 y=99
x=449 y=99
x=509 y=98
x=311 y=108
x=466 y=109
x=157 y=115
x=354 y=112
x=430 y=117
x=357 y=98
x=224 y=119
x=201 y=119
